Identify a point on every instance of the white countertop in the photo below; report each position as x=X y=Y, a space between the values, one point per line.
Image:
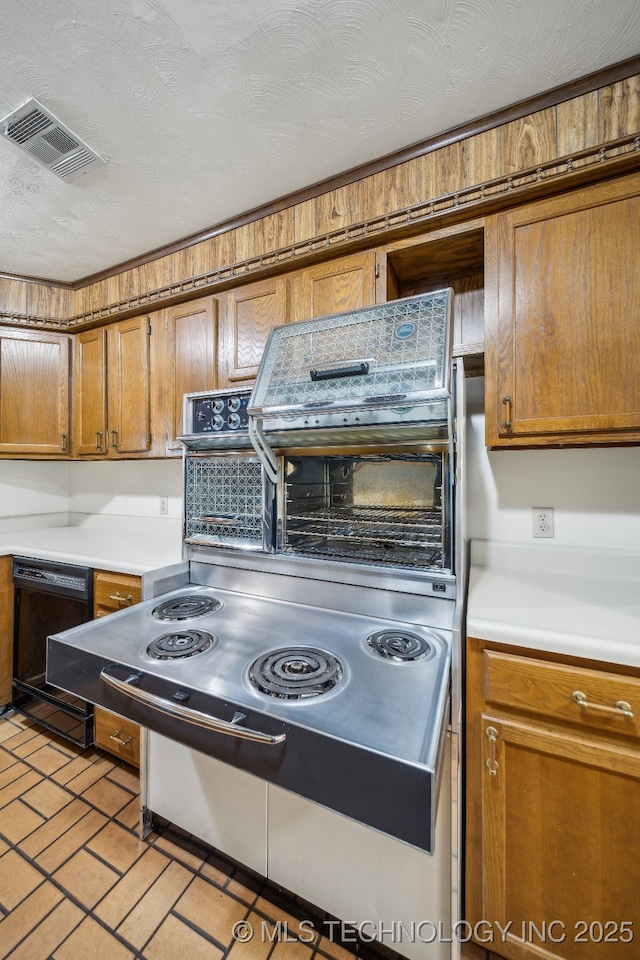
x=125 y=545
x=576 y=601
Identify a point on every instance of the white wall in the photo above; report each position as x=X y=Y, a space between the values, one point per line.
x=33 y=493
x=126 y=488
x=595 y=492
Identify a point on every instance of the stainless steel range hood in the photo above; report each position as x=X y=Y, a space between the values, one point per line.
x=372 y=376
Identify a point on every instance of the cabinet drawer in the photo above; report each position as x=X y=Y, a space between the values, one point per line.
x=605 y=701
x=115 y=591
x=117 y=735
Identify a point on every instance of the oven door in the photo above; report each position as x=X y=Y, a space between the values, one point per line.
x=228 y=502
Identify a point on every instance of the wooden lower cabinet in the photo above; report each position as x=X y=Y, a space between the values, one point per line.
x=112 y=592
x=6 y=629
x=553 y=807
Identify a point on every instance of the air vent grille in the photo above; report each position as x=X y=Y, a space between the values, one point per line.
x=36 y=131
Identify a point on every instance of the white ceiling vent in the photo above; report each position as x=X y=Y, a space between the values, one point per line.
x=36 y=131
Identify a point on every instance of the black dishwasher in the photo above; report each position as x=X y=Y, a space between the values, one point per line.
x=49 y=597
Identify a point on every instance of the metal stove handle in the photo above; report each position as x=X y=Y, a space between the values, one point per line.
x=194 y=717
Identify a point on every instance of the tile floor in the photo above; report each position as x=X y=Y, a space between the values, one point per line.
x=76 y=882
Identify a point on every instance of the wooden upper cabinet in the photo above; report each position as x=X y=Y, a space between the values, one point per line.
x=129 y=391
x=34 y=393
x=190 y=353
x=562 y=318
x=334 y=286
x=90 y=401
x=113 y=390
x=248 y=314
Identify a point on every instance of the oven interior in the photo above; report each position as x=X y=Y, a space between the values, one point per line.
x=387 y=509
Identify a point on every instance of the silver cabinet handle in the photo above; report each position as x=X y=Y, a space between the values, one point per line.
x=621 y=707
x=195 y=717
x=118 y=739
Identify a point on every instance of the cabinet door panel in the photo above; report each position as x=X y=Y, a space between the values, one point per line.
x=560 y=817
x=250 y=313
x=34 y=393
x=91 y=392
x=335 y=286
x=129 y=407
x=563 y=330
x=191 y=357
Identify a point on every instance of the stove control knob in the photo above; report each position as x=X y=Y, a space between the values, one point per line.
x=218 y=406
x=218 y=422
x=234 y=403
x=234 y=421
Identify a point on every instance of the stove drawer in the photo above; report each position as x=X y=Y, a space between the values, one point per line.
x=115 y=591
x=593 y=698
x=117 y=735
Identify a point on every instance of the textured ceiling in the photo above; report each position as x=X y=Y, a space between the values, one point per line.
x=205 y=109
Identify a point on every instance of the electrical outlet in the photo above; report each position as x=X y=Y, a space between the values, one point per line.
x=164 y=506
x=542 y=521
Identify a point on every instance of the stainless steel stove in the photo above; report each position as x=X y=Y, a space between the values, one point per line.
x=309 y=644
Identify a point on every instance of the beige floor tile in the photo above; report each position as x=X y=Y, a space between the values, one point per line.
x=6 y=759
x=50 y=933
x=117 y=846
x=128 y=777
x=107 y=796
x=12 y=772
x=16 y=785
x=86 y=878
x=257 y=948
x=10 y=729
x=148 y=914
x=48 y=759
x=47 y=798
x=175 y=939
x=289 y=922
x=54 y=828
x=90 y=941
x=71 y=841
x=75 y=766
x=287 y=950
x=211 y=909
x=17 y=879
x=334 y=950
x=30 y=745
x=243 y=887
x=129 y=816
x=216 y=872
x=3 y=847
x=17 y=821
x=135 y=883
x=90 y=775
x=25 y=917
x=18 y=737
x=178 y=852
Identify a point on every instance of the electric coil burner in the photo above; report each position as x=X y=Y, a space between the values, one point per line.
x=187 y=607
x=295 y=672
x=177 y=646
x=398 y=645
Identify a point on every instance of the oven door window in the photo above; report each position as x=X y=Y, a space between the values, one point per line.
x=389 y=509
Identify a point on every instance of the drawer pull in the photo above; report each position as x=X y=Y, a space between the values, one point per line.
x=492 y=764
x=118 y=739
x=123 y=601
x=621 y=708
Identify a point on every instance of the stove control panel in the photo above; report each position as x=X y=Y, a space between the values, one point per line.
x=222 y=412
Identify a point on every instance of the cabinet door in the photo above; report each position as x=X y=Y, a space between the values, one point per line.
x=562 y=300
x=129 y=387
x=560 y=841
x=6 y=629
x=249 y=314
x=334 y=286
x=191 y=357
x=34 y=393
x=91 y=392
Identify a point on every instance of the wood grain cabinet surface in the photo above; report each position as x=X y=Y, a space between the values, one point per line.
x=189 y=360
x=111 y=592
x=562 y=319
x=553 y=805
x=334 y=286
x=6 y=629
x=113 y=400
x=34 y=393
x=248 y=313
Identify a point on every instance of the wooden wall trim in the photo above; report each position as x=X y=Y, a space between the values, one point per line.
x=599 y=162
